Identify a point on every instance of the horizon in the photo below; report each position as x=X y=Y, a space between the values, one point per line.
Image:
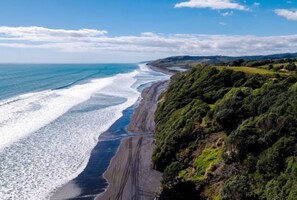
x=139 y=62
x=126 y=31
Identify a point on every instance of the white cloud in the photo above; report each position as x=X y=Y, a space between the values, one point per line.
x=223 y=23
x=256 y=4
x=35 y=33
x=147 y=45
x=212 y=4
x=288 y=14
x=225 y=14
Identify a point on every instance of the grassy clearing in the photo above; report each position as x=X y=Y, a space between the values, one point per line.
x=248 y=70
x=208 y=157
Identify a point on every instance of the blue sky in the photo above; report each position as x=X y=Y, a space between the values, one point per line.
x=135 y=30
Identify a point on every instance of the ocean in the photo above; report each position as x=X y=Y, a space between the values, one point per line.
x=51 y=116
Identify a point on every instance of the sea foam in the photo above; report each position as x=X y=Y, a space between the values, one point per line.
x=49 y=135
x=27 y=113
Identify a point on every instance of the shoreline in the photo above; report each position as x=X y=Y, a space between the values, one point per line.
x=92 y=182
x=130 y=174
x=162 y=70
x=142 y=121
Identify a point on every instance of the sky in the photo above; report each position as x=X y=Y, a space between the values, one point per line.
x=110 y=31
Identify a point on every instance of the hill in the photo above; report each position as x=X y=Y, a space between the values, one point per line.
x=228 y=133
x=191 y=61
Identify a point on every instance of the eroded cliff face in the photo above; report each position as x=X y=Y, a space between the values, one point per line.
x=228 y=134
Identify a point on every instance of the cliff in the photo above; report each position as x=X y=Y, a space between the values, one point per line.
x=228 y=133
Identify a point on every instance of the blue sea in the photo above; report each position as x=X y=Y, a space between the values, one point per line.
x=51 y=116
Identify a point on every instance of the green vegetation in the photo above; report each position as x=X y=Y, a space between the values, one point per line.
x=282 y=64
x=202 y=164
x=216 y=197
x=228 y=133
x=249 y=70
x=269 y=66
x=204 y=161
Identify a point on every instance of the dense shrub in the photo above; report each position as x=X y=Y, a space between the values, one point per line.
x=236 y=188
x=258 y=116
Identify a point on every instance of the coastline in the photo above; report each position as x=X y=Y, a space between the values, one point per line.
x=92 y=182
x=130 y=174
x=162 y=70
x=142 y=120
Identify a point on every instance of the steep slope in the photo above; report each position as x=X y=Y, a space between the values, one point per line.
x=224 y=134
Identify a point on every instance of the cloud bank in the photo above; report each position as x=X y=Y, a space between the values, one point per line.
x=212 y=4
x=35 y=33
x=148 y=45
x=288 y=14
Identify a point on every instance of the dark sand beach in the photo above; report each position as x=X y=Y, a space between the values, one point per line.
x=130 y=174
x=91 y=181
x=143 y=120
x=120 y=164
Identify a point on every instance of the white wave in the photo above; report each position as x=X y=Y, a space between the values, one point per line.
x=57 y=139
x=32 y=111
x=148 y=76
x=143 y=67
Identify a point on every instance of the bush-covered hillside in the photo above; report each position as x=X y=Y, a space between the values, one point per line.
x=224 y=134
x=251 y=61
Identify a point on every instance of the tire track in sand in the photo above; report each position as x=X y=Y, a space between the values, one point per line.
x=126 y=171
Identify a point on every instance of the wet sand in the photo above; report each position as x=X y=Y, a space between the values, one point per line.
x=114 y=145
x=143 y=120
x=91 y=182
x=162 y=70
x=130 y=174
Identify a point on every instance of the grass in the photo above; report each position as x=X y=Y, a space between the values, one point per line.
x=275 y=65
x=216 y=197
x=183 y=174
x=208 y=157
x=248 y=70
x=212 y=106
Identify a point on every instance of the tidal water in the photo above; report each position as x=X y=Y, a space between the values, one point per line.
x=51 y=117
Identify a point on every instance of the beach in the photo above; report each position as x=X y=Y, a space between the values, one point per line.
x=143 y=120
x=161 y=69
x=130 y=174
x=52 y=124
x=122 y=153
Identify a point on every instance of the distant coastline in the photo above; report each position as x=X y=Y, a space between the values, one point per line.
x=160 y=69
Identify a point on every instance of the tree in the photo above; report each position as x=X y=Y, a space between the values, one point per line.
x=291 y=67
